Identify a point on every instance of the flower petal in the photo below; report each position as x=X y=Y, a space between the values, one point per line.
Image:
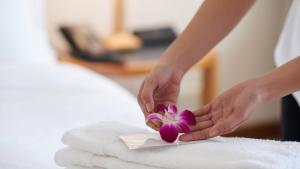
x=183 y=127
x=160 y=108
x=154 y=117
x=187 y=117
x=168 y=132
x=172 y=109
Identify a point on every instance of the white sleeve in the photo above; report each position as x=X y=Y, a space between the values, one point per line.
x=288 y=46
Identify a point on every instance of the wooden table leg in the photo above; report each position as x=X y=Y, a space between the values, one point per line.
x=210 y=79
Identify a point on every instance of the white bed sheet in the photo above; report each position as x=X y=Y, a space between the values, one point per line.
x=38 y=103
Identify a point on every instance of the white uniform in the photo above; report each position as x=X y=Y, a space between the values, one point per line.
x=288 y=46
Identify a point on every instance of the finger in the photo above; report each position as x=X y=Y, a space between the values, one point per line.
x=153 y=125
x=227 y=125
x=204 y=117
x=147 y=94
x=216 y=116
x=142 y=105
x=202 y=125
x=204 y=133
x=196 y=135
x=203 y=110
x=147 y=102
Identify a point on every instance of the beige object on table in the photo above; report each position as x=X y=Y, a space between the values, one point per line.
x=120 y=40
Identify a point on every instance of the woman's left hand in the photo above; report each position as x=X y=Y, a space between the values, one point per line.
x=226 y=112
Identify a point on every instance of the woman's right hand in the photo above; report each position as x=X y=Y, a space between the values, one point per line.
x=161 y=86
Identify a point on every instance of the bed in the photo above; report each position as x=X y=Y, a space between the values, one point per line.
x=40 y=98
x=39 y=102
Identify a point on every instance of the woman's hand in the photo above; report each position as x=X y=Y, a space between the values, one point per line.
x=227 y=112
x=161 y=86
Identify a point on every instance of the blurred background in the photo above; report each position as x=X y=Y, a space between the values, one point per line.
x=70 y=63
x=246 y=52
x=122 y=40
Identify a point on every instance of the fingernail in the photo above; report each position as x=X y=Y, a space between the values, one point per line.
x=155 y=123
x=151 y=125
x=148 y=107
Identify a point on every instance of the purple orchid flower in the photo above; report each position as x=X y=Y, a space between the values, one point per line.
x=172 y=121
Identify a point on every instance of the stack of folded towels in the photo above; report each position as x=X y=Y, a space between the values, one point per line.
x=99 y=147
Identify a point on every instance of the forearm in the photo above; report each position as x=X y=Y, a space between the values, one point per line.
x=281 y=81
x=213 y=21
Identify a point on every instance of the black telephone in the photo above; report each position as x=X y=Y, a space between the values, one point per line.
x=85 y=45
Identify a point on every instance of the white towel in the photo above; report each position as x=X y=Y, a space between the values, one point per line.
x=70 y=156
x=232 y=153
x=94 y=137
x=82 y=167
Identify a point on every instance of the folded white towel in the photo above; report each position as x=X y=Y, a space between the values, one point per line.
x=94 y=137
x=70 y=156
x=81 y=167
x=232 y=153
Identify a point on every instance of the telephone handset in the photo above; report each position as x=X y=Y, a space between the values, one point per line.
x=85 y=45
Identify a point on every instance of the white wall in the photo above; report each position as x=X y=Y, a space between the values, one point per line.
x=139 y=13
x=246 y=52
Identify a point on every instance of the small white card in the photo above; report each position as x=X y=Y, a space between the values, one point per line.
x=146 y=140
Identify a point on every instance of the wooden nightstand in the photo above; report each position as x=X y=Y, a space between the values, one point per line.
x=143 y=66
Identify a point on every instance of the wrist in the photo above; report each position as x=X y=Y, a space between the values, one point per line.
x=264 y=88
x=171 y=69
x=175 y=59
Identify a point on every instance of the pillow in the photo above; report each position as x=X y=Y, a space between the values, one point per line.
x=23 y=36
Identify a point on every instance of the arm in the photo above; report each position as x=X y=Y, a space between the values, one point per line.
x=213 y=21
x=281 y=81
